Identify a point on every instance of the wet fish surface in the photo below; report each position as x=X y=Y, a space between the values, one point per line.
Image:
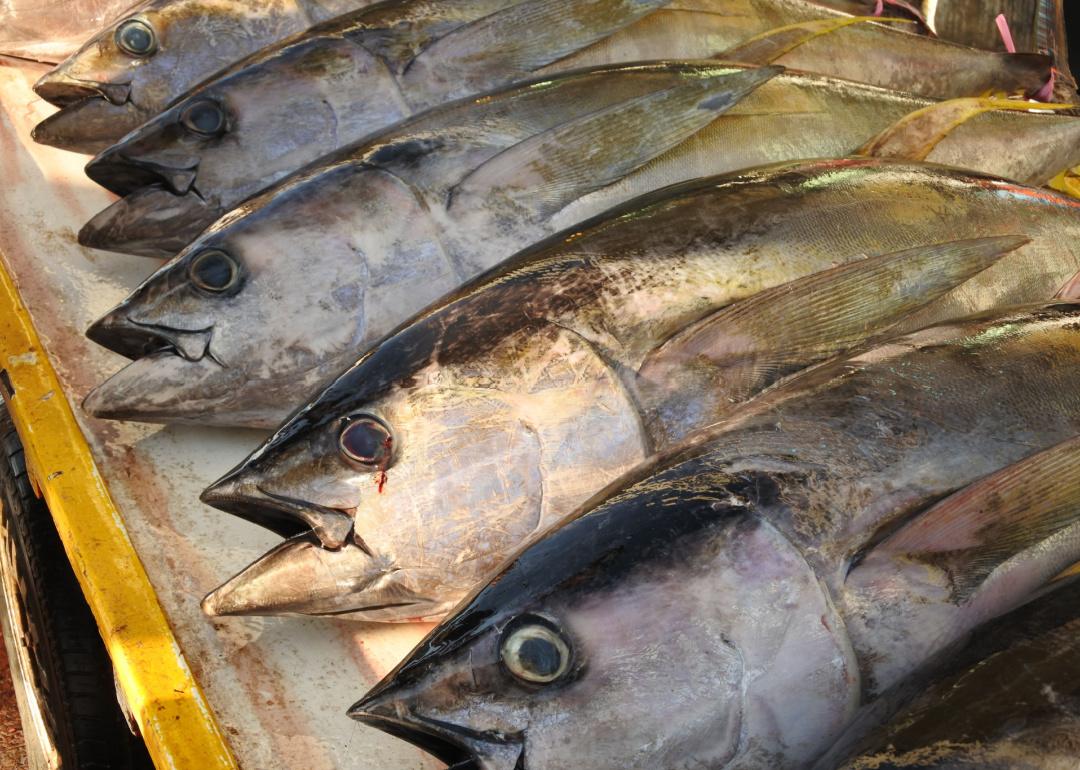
x=1010 y=699
x=516 y=398
x=237 y=133
x=771 y=579
x=133 y=68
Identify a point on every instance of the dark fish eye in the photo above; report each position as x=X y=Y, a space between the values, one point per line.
x=136 y=37
x=214 y=270
x=534 y=651
x=204 y=117
x=367 y=441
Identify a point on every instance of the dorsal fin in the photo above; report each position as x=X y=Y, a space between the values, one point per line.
x=1034 y=503
x=774 y=43
x=916 y=134
x=754 y=342
x=579 y=156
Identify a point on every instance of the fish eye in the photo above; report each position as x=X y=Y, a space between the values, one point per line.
x=136 y=37
x=533 y=650
x=215 y=271
x=367 y=441
x=204 y=117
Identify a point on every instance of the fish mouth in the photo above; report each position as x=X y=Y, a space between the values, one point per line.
x=454 y=754
x=134 y=340
x=287 y=516
x=151 y=221
x=458 y=747
x=62 y=90
x=123 y=174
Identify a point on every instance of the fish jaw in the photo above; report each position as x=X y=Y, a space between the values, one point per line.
x=300 y=576
x=444 y=741
x=165 y=388
x=122 y=169
x=150 y=222
x=88 y=125
x=240 y=494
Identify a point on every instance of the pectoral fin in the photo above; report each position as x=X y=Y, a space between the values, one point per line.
x=915 y=135
x=556 y=28
x=1023 y=520
x=579 y=156
x=771 y=45
x=754 y=342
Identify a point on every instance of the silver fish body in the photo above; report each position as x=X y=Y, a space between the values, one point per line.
x=519 y=396
x=130 y=70
x=289 y=105
x=741 y=581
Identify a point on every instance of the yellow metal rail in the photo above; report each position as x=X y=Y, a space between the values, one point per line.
x=179 y=729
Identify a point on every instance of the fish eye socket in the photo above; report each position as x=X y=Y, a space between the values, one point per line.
x=367 y=441
x=204 y=117
x=214 y=271
x=136 y=37
x=534 y=651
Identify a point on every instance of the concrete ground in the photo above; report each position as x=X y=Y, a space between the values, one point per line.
x=12 y=754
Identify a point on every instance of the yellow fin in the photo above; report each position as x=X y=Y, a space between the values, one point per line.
x=1069 y=572
x=1068 y=182
x=915 y=135
x=774 y=43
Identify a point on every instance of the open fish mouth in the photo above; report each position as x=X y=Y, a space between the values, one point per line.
x=284 y=515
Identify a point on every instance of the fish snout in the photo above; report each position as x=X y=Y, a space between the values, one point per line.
x=300 y=576
x=120 y=334
x=123 y=172
x=59 y=88
x=240 y=494
x=131 y=339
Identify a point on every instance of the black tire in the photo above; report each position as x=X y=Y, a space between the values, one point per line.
x=70 y=669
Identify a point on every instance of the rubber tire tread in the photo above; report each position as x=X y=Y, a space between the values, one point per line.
x=75 y=676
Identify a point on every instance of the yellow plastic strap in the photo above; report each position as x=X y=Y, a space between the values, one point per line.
x=774 y=43
x=176 y=723
x=915 y=135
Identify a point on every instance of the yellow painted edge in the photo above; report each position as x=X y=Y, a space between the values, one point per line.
x=175 y=720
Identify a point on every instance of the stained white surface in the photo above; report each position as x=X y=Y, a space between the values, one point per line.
x=278 y=686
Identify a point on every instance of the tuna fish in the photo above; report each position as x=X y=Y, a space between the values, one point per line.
x=389 y=226
x=131 y=69
x=768 y=581
x=516 y=398
x=239 y=131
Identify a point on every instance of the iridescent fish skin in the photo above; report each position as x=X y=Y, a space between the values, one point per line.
x=292 y=103
x=150 y=55
x=736 y=581
x=516 y=398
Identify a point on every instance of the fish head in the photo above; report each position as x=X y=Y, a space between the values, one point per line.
x=665 y=626
x=440 y=455
x=136 y=65
x=243 y=129
x=264 y=300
